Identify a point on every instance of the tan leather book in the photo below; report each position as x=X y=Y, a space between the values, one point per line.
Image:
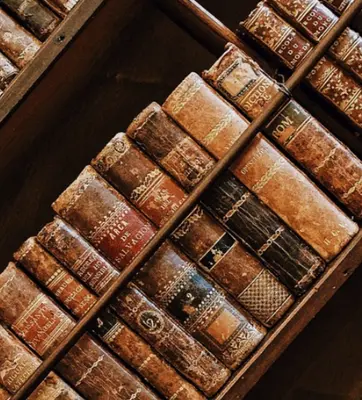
x=8 y=71
x=261 y=167
x=4 y=394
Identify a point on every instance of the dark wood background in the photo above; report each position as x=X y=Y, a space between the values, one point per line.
x=120 y=62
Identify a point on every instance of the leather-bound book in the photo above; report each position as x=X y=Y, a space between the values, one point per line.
x=96 y=374
x=172 y=280
x=327 y=77
x=292 y=261
x=73 y=251
x=243 y=82
x=31 y=314
x=36 y=17
x=4 y=394
x=8 y=71
x=139 y=179
x=61 y=7
x=139 y=355
x=72 y=294
x=104 y=218
x=179 y=348
x=15 y=42
x=261 y=167
x=338 y=6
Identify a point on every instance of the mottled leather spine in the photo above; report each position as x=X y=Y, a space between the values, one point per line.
x=8 y=71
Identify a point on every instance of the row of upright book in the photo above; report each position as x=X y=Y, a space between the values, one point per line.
x=207 y=298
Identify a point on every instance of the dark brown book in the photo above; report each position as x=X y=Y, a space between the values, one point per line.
x=15 y=42
x=4 y=394
x=61 y=7
x=338 y=6
x=31 y=314
x=179 y=348
x=243 y=82
x=36 y=17
x=8 y=71
x=261 y=167
x=104 y=218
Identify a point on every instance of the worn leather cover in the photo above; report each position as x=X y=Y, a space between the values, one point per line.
x=71 y=293
x=243 y=82
x=104 y=218
x=4 y=394
x=178 y=347
x=338 y=6
x=8 y=71
x=15 y=42
x=261 y=167
x=70 y=249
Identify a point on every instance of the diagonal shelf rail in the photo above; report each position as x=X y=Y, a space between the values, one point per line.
x=49 y=363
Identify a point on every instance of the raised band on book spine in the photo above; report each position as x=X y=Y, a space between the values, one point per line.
x=8 y=71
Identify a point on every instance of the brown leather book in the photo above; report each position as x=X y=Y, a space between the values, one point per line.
x=338 y=6
x=36 y=17
x=72 y=294
x=31 y=314
x=4 y=394
x=8 y=71
x=70 y=249
x=54 y=388
x=15 y=42
x=261 y=167
x=113 y=226
x=291 y=48
x=61 y=7
x=179 y=348
x=243 y=82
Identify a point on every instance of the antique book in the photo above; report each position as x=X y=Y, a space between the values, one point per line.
x=31 y=314
x=338 y=6
x=8 y=71
x=72 y=294
x=104 y=218
x=15 y=42
x=173 y=282
x=141 y=357
x=242 y=81
x=96 y=374
x=61 y=7
x=180 y=349
x=291 y=48
x=73 y=251
x=4 y=394
x=290 y=259
x=261 y=167
x=315 y=20
x=139 y=179
x=36 y=17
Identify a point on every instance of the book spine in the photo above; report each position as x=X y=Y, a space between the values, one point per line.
x=112 y=226
x=37 y=18
x=51 y=274
x=96 y=374
x=136 y=177
x=179 y=348
x=288 y=257
x=261 y=167
x=15 y=42
x=31 y=314
x=8 y=71
x=4 y=394
x=71 y=250
x=139 y=355
x=243 y=82
x=338 y=6
x=172 y=280
x=329 y=80
x=61 y=7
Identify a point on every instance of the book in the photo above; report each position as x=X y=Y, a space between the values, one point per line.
x=73 y=251
x=332 y=164
x=15 y=42
x=36 y=17
x=179 y=348
x=270 y=239
x=261 y=167
x=4 y=394
x=8 y=71
x=61 y=7
x=68 y=291
x=32 y=315
x=174 y=283
x=338 y=6
x=104 y=218
x=291 y=48
x=54 y=388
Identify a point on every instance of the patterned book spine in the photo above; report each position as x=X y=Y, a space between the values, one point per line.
x=39 y=19
x=57 y=279
x=15 y=42
x=243 y=82
x=31 y=314
x=328 y=78
x=179 y=348
x=104 y=218
x=8 y=71
x=261 y=167
x=139 y=355
x=287 y=255
x=70 y=249
x=96 y=374
x=338 y=6
x=134 y=175
x=61 y=7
